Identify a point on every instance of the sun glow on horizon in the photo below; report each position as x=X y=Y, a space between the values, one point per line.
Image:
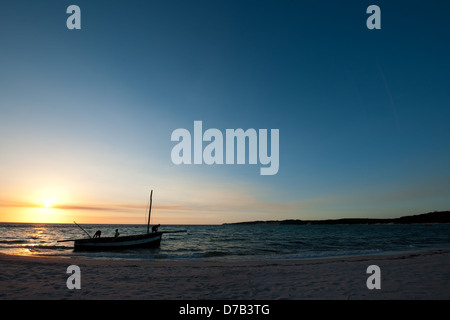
x=51 y=200
x=48 y=203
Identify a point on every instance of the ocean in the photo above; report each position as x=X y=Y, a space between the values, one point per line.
x=225 y=242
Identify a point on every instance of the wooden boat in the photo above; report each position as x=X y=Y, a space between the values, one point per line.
x=145 y=240
x=150 y=240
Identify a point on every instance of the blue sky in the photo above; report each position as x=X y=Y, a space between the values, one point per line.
x=86 y=115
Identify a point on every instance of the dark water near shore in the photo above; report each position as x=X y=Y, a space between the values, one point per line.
x=232 y=241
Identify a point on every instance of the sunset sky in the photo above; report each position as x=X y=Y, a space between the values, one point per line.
x=86 y=116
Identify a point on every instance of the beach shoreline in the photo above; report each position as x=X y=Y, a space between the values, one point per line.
x=405 y=276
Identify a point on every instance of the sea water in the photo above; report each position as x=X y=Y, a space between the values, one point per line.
x=222 y=242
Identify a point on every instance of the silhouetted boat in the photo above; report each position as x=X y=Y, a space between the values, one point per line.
x=146 y=240
x=150 y=240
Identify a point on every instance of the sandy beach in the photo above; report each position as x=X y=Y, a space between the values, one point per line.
x=403 y=276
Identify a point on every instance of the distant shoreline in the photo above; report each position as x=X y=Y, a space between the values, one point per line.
x=425 y=218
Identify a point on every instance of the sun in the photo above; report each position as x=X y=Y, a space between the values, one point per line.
x=48 y=203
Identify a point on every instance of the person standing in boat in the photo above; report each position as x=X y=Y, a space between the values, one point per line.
x=117 y=233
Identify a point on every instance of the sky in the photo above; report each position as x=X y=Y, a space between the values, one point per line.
x=87 y=115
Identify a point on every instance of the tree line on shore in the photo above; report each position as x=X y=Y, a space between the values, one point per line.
x=425 y=218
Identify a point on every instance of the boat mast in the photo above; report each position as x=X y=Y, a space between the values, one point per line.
x=149 y=212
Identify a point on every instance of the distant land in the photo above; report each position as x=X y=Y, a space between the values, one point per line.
x=430 y=217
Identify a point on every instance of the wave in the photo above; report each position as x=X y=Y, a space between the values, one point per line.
x=326 y=254
x=13 y=241
x=36 y=247
x=213 y=254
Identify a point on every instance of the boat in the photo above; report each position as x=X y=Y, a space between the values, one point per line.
x=146 y=240
x=150 y=240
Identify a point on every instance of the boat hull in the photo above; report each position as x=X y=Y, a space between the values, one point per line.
x=148 y=240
